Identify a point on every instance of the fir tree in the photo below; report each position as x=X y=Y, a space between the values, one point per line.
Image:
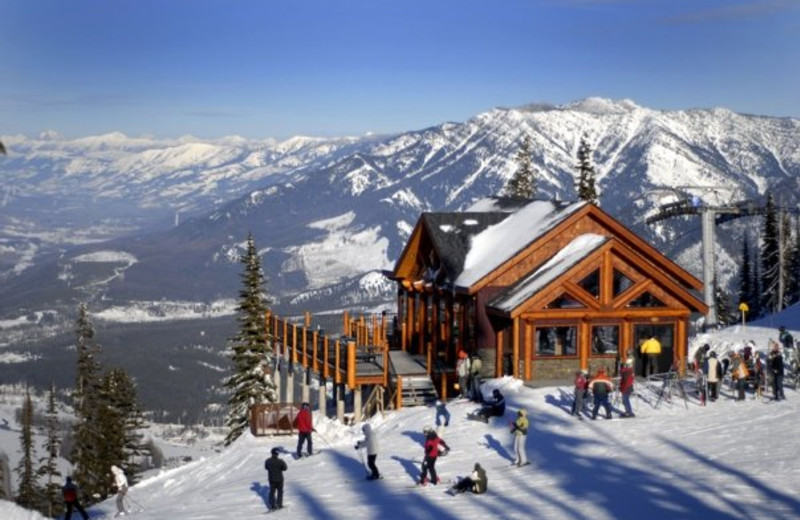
x=770 y=260
x=784 y=259
x=722 y=301
x=88 y=437
x=586 y=174
x=48 y=465
x=121 y=421
x=757 y=308
x=794 y=267
x=523 y=183
x=28 y=491
x=251 y=381
x=746 y=277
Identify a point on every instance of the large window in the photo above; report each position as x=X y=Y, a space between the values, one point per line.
x=557 y=341
x=605 y=340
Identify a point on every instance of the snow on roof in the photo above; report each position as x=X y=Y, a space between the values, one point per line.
x=497 y=243
x=574 y=252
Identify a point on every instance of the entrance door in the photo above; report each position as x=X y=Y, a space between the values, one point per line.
x=664 y=333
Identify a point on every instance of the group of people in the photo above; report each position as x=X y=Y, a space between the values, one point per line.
x=468 y=370
x=601 y=388
x=71 y=494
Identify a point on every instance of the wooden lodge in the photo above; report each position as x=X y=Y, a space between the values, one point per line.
x=538 y=289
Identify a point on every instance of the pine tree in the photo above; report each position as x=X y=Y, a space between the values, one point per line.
x=757 y=308
x=784 y=259
x=586 y=175
x=523 y=183
x=88 y=437
x=28 y=492
x=746 y=277
x=794 y=267
x=722 y=301
x=48 y=465
x=251 y=382
x=770 y=259
x=121 y=420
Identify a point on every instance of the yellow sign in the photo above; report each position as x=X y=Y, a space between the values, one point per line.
x=743 y=307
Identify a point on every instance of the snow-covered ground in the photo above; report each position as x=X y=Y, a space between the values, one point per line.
x=675 y=460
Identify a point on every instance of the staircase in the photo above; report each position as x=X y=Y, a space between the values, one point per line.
x=418 y=390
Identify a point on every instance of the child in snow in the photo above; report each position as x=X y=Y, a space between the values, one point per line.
x=371 y=443
x=275 y=467
x=121 y=483
x=626 y=387
x=477 y=482
x=432 y=443
x=581 y=391
x=601 y=387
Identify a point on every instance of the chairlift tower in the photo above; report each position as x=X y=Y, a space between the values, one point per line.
x=722 y=205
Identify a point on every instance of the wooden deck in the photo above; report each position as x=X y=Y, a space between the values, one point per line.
x=405 y=364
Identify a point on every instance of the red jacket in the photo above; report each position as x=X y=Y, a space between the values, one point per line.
x=304 y=421
x=626 y=380
x=432 y=447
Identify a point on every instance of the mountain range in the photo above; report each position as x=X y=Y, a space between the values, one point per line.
x=149 y=230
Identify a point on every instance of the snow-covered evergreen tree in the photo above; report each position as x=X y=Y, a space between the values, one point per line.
x=90 y=470
x=586 y=189
x=523 y=183
x=48 y=465
x=725 y=312
x=251 y=350
x=794 y=267
x=770 y=258
x=28 y=492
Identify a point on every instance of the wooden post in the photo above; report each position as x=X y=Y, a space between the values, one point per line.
x=498 y=369
x=398 y=398
x=326 y=366
x=314 y=351
x=294 y=343
x=304 y=340
x=515 y=347
x=345 y=321
x=351 y=365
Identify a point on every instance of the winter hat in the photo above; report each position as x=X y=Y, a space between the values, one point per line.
x=275 y=452
x=629 y=361
x=462 y=354
x=304 y=405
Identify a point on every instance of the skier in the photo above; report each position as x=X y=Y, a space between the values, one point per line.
x=442 y=414
x=626 y=387
x=432 y=443
x=121 y=483
x=275 y=467
x=519 y=429
x=651 y=349
x=581 y=392
x=371 y=444
x=496 y=407
x=304 y=429
x=462 y=369
x=785 y=337
x=777 y=370
x=70 y=493
x=713 y=373
x=601 y=387
x=477 y=482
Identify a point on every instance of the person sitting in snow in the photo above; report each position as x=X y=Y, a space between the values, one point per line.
x=477 y=482
x=601 y=387
x=432 y=445
x=494 y=408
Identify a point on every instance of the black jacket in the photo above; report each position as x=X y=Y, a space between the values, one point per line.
x=275 y=466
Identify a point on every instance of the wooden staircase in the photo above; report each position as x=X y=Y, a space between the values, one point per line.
x=417 y=390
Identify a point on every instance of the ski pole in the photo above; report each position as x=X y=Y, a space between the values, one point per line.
x=323 y=439
x=134 y=502
x=363 y=464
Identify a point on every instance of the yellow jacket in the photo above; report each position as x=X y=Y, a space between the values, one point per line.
x=651 y=346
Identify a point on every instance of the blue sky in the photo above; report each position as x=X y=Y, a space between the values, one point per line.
x=275 y=68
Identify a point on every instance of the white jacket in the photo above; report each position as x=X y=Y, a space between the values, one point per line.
x=370 y=441
x=119 y=477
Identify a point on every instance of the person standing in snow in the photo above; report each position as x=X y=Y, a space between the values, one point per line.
x=601 y=387
x=304 y=429
x=477 y=482
x=581 y=390
x=626 y=387
x=121 y=483
x=785 y=337
x=713 y=373
x=432 y=444
x=777 y=370
x=650 y=350
x=519 y=428
x=739 y=374
x=475 y=369
x=70 y=493
x=275 y=467
x=442 y=414
x=462 y=370
x=371 y=443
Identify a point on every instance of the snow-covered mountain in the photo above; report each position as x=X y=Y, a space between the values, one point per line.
x=142 y=225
